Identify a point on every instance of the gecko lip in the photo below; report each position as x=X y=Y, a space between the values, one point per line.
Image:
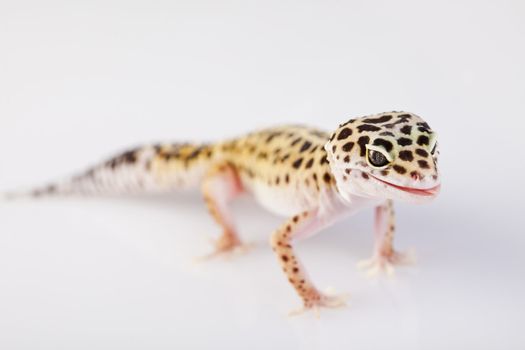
x=418 y=191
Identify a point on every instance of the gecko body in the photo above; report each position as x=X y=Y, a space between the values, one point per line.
x=305 y=174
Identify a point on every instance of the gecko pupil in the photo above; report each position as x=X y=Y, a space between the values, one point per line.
x=377 y=158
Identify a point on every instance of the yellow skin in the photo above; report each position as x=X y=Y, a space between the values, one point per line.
x=305 y=174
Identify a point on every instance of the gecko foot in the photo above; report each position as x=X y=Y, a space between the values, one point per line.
x=326 y=300
x=226 y=246
x=385 y=262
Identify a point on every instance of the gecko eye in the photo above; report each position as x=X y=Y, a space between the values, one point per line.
x=377 y=157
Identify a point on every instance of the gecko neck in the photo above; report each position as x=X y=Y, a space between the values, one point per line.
x=352 y=201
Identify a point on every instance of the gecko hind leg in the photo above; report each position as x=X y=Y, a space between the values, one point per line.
x=220 y=186
x=385 y=257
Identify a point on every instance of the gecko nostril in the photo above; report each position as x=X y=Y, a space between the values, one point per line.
x=415 y=175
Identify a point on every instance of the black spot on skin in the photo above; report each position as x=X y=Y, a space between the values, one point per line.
x=348 y=171
x=384 y=172
x=406 y=155
x=309 y=163
x=347 y=159
x=285 y=157
x=421 y=152
x=194 y=154
x=386 y=133
x=423 y=140
x=407 y=129
x=368 y=127
x=331 y=137
x=347 y=147
x=423 y=164
x=262 y=155
x=386 y=144
x=315 y=177
x=365 y=176
x=399 y=169
x=334 y=147
x=402 y=118
x=422 y=129
x=50 y=189
x=344 y=134
x=323 y=160
x=313 y=149
x=327 y=178
x=130 y=157
x=277 y=180
x=113 y=163
x=287 y=178
x=305 y=146
x=403 y=141
x=348 y=122
x=295 y=142
x=362 y=142
x=272 y=135
x=297 y=163
x=424 y=124
x=382 y=119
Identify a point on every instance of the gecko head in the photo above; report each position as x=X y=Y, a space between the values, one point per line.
x=385 y=156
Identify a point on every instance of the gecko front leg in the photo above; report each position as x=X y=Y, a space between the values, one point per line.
x=299 y=226
x=384 y=256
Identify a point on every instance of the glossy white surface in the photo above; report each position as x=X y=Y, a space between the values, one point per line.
x=81 y=81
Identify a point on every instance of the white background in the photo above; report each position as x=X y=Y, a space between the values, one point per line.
x=79 y=80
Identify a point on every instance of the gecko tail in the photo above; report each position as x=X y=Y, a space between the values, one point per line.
x=44 y=191
x=145 y=169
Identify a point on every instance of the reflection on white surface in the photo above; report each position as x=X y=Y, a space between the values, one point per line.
x=107 y=273
x=79 y=81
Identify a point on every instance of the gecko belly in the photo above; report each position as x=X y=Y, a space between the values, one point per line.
x=283 y=201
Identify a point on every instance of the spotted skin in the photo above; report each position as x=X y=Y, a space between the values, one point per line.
x=311 y=177
x=299 y=225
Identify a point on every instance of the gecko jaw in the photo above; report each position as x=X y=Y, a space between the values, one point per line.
x=432 y=191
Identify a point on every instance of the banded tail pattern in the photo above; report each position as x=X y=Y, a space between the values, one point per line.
x=150 y=168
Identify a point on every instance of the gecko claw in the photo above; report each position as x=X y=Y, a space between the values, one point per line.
x=226 y=251
x=385 y=263
x=326 y=300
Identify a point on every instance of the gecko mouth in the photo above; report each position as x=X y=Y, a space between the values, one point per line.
x=417 y=191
